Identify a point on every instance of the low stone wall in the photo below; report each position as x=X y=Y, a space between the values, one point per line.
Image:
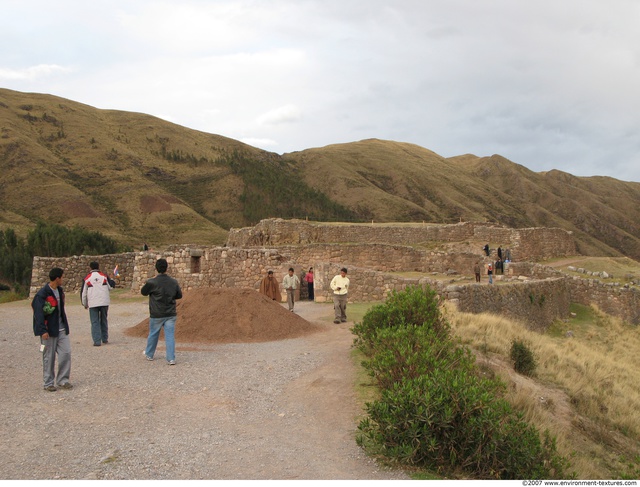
x=370 y=269
x=608 y=297
x=536 y=303
x=77 y=267
x=525 y=243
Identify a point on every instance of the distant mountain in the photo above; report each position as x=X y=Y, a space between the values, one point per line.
x=138 y=178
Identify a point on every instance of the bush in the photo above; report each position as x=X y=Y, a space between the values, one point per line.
x=524 y=361
x=413 y=306
x=436 y=411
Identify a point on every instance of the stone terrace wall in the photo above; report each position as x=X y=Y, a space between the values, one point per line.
x=536 y=303
x=369 y=267
x=77 y=267
x=525 y=244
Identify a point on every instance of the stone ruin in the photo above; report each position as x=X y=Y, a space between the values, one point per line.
x=381 y=258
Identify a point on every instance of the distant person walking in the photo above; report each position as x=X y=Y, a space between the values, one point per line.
x=340 y=286
x=291 y=283
x=269 y=287
x=486 y=249
x=51 y=325
x=309 y=278
x=163 y=292
x=490 y=273
x=476 y=271
x=95 y=296
x=500 y=253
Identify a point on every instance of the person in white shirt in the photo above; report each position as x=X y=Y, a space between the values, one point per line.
x=340 y=286
x=291 y=283
x=95 y=297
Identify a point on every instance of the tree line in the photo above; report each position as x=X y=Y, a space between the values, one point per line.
x=46 y=240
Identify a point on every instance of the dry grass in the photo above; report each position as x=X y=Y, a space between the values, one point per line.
x=586 y=391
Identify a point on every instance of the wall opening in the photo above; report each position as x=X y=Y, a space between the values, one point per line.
x=195 y=265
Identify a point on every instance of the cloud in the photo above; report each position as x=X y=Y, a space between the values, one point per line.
x=283 y=114
x=266 y=144
x=547 y=84
x=33 y=73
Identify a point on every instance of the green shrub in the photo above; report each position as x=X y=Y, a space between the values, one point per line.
x=410 y=351
x=436 y=411
x=524 y=361
x=413 y=306
x=452 y=420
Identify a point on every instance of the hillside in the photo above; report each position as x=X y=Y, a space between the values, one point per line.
x=138 y=178
x=135 y=177
x=387 y=180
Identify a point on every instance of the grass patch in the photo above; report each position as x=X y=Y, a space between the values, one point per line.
x=10 y=296
x=586 y=388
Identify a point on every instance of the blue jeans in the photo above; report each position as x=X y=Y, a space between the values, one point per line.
x=99 y=325
x=155 y=325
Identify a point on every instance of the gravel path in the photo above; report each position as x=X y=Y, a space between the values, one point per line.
x=275 y=410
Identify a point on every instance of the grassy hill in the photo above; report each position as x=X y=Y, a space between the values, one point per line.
x=138 y=178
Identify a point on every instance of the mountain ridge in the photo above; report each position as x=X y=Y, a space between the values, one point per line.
x=138 y=178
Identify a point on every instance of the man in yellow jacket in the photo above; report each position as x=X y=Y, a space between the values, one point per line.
x=340 y=286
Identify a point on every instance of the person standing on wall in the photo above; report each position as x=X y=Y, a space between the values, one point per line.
x=95 y=296
x=340 y=286
x=269 y=287
x=51 y=325
x=309 y=279
x=163 y=292
x=291 y=283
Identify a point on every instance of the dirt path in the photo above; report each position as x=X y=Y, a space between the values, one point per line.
x=273 y=410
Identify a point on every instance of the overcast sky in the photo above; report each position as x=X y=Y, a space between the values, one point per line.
x=548 y=84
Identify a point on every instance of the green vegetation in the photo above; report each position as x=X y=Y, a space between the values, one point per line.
x=273 y=189
x=524 y=361
x=436 y=411
x=46 y=240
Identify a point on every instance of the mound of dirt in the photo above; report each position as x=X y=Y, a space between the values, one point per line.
x=231 y=316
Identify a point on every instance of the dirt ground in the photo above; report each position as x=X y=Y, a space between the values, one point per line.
x=257 y=393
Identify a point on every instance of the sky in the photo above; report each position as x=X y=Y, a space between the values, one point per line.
x=548 y=84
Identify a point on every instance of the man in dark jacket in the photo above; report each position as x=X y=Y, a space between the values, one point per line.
x=51 y=325
x=163 y=292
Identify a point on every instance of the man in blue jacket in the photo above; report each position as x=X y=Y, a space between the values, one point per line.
x=51 y=325
x=163 y=292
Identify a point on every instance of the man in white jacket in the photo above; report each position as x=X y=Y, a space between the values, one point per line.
x=96 y=288
x=340 y=286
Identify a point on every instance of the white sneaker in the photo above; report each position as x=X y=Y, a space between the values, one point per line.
x=171 y=362
x=150 y=359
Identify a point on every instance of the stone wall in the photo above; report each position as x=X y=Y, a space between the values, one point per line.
x=536 y=303
x=77 y=267
x=525 y=243
x=371 y=267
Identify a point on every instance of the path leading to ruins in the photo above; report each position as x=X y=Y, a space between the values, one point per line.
x=274 y=410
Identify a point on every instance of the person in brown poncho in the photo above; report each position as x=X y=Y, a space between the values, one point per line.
x=269 y=287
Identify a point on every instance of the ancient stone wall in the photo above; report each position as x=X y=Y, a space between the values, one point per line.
x=536 y=303
x=373 y=267
x=77 y=267
x=525 y=243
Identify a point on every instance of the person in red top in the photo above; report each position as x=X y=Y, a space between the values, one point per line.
x=309 y=278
